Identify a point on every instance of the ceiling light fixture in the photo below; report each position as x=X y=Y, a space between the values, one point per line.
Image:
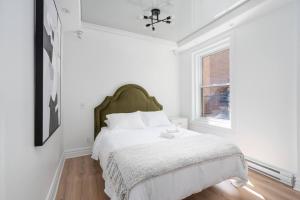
x=154 y=18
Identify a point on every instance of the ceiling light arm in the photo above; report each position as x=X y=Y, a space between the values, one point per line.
x=163 y=20
x=152 y=23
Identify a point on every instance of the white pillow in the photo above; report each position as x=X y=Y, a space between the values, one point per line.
x=156 y=118
x=125 y=121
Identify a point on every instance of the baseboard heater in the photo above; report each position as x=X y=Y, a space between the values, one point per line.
x=272 y=172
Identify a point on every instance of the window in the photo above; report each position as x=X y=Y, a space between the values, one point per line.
x=214 y=85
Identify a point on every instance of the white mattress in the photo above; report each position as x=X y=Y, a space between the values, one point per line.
x=174 y=185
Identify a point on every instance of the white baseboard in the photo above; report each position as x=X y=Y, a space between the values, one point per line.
x=297 y=184
x=77 y=152
x=55 y=181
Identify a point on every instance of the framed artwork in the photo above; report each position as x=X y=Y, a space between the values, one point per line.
x=47 y=70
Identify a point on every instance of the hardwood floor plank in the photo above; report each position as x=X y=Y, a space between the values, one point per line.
x=81 y=179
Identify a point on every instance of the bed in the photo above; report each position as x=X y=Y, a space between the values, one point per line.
x=139 y=158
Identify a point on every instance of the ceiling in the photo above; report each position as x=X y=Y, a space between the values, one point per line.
x=189 y=15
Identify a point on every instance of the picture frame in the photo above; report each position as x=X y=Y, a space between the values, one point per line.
x=47 y=45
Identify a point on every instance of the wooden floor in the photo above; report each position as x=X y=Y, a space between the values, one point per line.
x=81 y=180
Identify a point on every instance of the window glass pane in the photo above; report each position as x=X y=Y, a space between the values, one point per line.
x=215 y=68
x=215 y=102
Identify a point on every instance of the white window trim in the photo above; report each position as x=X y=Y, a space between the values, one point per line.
x=196 y=95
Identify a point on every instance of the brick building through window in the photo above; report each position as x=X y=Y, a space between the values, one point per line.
x=215 y=86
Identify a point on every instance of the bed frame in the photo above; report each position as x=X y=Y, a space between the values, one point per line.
x=128 y=98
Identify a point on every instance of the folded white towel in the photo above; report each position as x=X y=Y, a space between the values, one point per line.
x=167 y=135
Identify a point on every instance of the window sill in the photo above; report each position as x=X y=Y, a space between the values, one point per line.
x=226 y=124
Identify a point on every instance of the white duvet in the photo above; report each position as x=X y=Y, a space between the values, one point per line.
x=174 y=185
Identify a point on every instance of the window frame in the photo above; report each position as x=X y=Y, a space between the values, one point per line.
x=197 y=83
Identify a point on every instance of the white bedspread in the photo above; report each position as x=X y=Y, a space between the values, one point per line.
x=174 y=185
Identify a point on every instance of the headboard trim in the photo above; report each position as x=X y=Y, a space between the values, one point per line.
x=128 y=98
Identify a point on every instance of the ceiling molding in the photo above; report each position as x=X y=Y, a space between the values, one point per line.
x=225 y=20
x=115 y=31
x=246 y=12
x=211 y=23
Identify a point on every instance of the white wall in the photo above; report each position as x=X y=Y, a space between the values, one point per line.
x=2 y=154
x=28 y=170
x=264 y=82
x=96 y=65
x=298 y=89
x=2 y=149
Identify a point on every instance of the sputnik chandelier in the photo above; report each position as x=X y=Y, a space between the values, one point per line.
x=154 y=19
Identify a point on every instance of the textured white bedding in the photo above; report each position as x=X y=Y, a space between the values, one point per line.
x=174 y=185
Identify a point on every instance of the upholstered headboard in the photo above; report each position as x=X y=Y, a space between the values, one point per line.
x=128 y=98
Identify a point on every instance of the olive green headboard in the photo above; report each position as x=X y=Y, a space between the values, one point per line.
x=128 y=98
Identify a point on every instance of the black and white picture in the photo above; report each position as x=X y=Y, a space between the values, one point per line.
x=47 y=71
